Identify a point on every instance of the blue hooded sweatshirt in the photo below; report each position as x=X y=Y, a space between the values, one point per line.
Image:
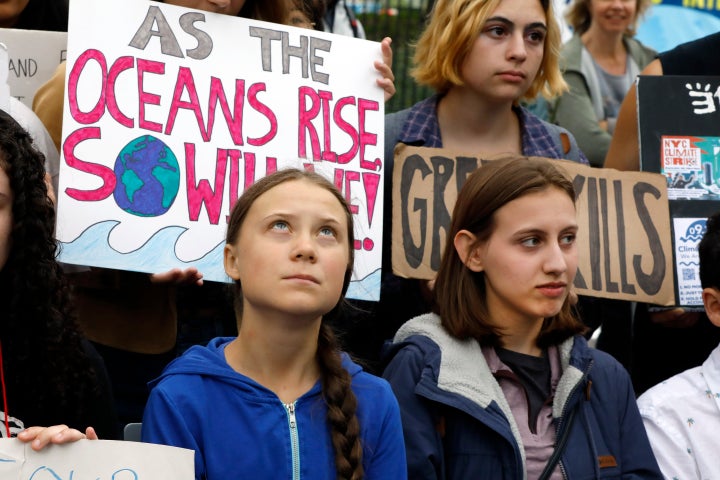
x=240 y=429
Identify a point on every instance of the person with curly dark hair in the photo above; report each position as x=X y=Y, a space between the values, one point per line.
x=48 y=371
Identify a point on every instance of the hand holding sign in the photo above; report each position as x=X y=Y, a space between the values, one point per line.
x=40 y=437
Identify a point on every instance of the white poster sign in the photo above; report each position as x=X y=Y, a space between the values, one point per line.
x=171 y=113
x=688 y=233
x=33 y=56
x=95 y=459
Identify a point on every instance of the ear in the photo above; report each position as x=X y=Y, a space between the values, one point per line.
x=468 y=250
x=230 y=261
x=711 y=300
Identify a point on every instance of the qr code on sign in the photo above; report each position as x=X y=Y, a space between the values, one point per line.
x=688 y=274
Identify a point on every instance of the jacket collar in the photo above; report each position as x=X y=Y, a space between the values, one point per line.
x=463 y=370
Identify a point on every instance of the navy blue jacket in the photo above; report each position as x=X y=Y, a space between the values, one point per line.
x=458 y=425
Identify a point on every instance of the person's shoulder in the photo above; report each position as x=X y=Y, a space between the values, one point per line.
x=418 y=343
x=570 y=53
x=30 y=122
x=603 y=364
x=603 y=359
x=639 y=52
x=427 y=326
x=563 y=141
x=396 y=119
x=422 y=107
x=700 y=45
x=198 y=362
x=372 y=391
x=673 y=390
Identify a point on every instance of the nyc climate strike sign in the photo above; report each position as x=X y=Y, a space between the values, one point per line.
x=171 y=113
x=680 y=138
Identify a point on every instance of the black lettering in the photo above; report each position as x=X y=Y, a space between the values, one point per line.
x=463 y=168
x=625 y=286
x=443 y=172
x=578 y=184
x=413 y=164
x=594 y=234
x=610 y=286
x=650 y=283
x=23 y=67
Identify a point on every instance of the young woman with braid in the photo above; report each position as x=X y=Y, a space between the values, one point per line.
x=279 y=401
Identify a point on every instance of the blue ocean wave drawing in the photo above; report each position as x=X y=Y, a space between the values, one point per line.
x=367 y=288
x=91 y=248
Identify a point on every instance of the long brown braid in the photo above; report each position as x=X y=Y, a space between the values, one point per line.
x=339 y=397
x=342 y=405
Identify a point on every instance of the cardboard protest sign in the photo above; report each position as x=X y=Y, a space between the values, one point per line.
x=171 y=113
x=95 y=459
x=623 y=244
x=680 y=139
x=33 y=56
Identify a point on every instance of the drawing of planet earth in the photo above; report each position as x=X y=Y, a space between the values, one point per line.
x=148 y=177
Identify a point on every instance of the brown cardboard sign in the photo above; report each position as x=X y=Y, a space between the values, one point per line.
x=624 y=242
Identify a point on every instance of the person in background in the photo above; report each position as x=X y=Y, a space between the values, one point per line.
x=281 y=386
x=340 y=18
x=482 y=58
x=498 y=382
x=690 y=58
x=50 y=373
x=682 y=414
x=657 y=331
x=599 y=63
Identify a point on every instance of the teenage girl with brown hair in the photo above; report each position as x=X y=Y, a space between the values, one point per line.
x=280 y=400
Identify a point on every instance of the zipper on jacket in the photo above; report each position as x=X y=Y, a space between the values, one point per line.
x=294 y=439
x=562 y=470
x=559 y=442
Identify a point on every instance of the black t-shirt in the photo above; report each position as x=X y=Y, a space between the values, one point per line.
x=534 y=375
x=99 y=411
